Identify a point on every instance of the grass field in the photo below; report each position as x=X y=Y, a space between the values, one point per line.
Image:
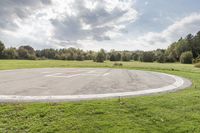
x=177 y=112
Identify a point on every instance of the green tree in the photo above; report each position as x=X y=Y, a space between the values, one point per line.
x=161 y=58
x=196 y=45
x=126 y=56
x=26 y=52
x=171 y=53
x=103 y=52
x=2 y=47
x=80 y=55
x=118 y=56
x=182 y=46
x=23 y=53
x=112 y=57
x=170 y=58
x=186 y=57
x=47 y=53
x=160 y=55
x=147 y=56
x=10 y=53
x=28 y=48
x=100 y=57
x=90 y=55
x=135 y=56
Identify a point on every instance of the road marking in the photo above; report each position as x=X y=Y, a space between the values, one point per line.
x=58 y=75
x=69 y=76
x=46 y=72
x=105 y=74
x=91 y=71
x=55 y=74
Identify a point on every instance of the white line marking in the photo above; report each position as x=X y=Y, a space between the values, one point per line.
x=58 y=75
x=91 y=71
x=69 y=76
x=105 y=74
x=55 y=74
x=178 y=83
x=46 y=72
x=66 y=76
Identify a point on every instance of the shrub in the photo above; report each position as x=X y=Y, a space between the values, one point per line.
x=147 y=57
x=197 y=60
x=32 y=57
x=170 y=58
x=161 y=59
x=197 y=65
x=186 y=57
x=117 y=64
x=42 y=58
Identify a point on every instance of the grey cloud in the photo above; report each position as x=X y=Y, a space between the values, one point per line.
x=99 y=19
x=71 y=29
x=12 y=9
x=46 y=2
x=99 y=33
x=69 y=44
x=99 y=15
x=82 y=24
x=6 y=24
x=68 y=29
x=101 y=38
x=157 y=40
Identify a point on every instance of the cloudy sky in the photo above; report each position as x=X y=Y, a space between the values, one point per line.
x=95 y=24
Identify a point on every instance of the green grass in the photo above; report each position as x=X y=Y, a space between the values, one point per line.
x=18 y=64
x=176 y=112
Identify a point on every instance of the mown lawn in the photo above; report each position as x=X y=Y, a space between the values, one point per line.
x=170 y=112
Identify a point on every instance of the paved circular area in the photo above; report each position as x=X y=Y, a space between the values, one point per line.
x=65 y=84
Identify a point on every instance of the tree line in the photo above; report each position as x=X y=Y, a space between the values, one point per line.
x=185 y=50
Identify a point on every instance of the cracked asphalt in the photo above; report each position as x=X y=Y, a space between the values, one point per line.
x=80 y=81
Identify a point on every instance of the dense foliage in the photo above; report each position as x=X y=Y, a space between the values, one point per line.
x=2 y=47
x=186 y=57
x=147 y=56
x=197 y=65
x=174 y=53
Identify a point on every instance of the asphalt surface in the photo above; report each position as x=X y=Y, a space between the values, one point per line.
x=61 y=84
